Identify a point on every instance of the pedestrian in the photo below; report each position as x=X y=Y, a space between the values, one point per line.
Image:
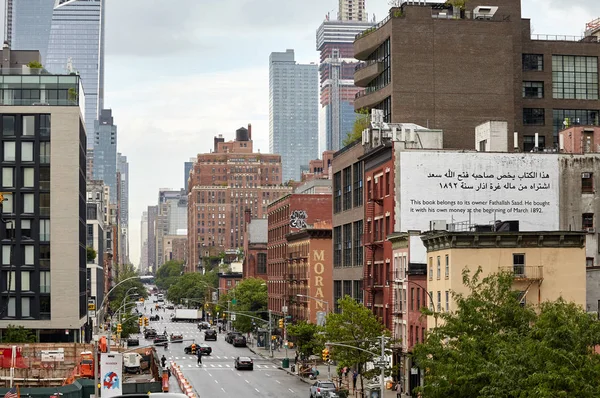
x=398 y=389
x=163 y=361
x=354 y=377
x=219 y=329
x=296 y=358
x=199 y=354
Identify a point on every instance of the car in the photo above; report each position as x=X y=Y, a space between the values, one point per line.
x=149 y=333
x=176 y=338
x=203 y=325
x=133 y=341
x=244 y=363
x=321 y=387
x=170 y=307
x=161 y=340
x=239 y=341
x=210 y=334
x=230 y=336
x=205 y=349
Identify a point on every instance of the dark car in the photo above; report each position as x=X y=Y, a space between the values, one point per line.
x=170 y=307
x=161 y=340
x=244 y=363
x=133 y=341
x=210 y=334
x=239 y=341
x=149 y=333
x=205 y=349
x=203 y=325
x=230 y=336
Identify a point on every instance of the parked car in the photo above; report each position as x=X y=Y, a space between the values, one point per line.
x=176 y=338
x=170 y=307
x=161 y=340
x=205 y=349
x=320 y=388
x=133 y=341
x=203 y=325
x=244 y=363
x=210 y=334
x=149 y=333
x=230 y=336
x=239 y=341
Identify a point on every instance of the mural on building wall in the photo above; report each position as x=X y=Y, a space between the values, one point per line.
x=298 y=219
x=479 y=188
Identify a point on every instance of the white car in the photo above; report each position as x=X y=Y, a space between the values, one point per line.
x=321 y=388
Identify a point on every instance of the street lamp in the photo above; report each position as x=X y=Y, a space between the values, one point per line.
x=100 y=310
x=316 y=299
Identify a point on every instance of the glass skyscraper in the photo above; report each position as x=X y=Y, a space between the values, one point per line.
x=66 y=32
x=293 y=112
x=104 y=140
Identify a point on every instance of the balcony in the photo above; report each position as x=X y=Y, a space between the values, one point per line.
x=366 y=72
x=524 y=273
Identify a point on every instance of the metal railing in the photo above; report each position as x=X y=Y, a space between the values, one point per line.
x=591 y=39
x=24 y=71
x=364 y=64
x=374 y=28
x=525 y=272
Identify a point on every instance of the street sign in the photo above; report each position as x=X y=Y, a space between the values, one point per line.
x=284 y=309
x=53 y=355
x=233 y=317
x=288 y=317
x=234 y=301
x=111 y=370
x=320 y=318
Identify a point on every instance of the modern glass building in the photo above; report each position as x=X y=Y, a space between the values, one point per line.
x=293 y=112
x=27 y=24
x=105 y=152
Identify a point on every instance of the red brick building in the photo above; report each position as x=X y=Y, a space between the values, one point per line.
x=228 y=281
x=310 y=272
x=222 y=185
x=255 y=247
x=289 y=214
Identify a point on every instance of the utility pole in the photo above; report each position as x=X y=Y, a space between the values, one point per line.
x=382 y=365
x=270 y=336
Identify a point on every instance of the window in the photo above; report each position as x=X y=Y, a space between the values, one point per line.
x=387 y=183
x=337 y=294
x=44 y=307
x=261 y=267
x=8 y=177
x=533 y=62
x=44 y=125
x=347 y=245
x=358 y=294
x=28 y=203
x=358 y=247
x=29 y=125
x=439 y=267
x=44 y=204
x=25 y=307
x=10 y=278
x=25 y=277
x=27 y=151
x=12 y=311
x=587 y=183
x=44 y=152
x=574 y=77
x=337 y=192
x=430 y=268
x=412 y=299
x=29 y=255
x=358 y=184
x=533 y=89
x=447 y=270
x=26 y=229
x=44 y=230
x=7 y=208
x=529 y=142
x=347 y=177
x=9 y=151
x=519 y=264
x=589 y=261
x=418 y=299
x=432 y=304
x=228 y=283
x=533 y=116
x=8 y=125
x=587 y=222
x=439 y=301
x=28 y=177
x=337 y=246
x=447 y=301
x=44 y=256
x=586 y=117
x=44 y=177
x=6 y=255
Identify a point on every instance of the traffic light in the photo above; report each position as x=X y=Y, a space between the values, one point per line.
x=142 y=299
x=325 y=355
x=141 y=321
x=119 y=328
x=146 y=322
x=281 y=323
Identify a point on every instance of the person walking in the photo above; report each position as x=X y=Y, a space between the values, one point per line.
x=354 y=377
x=398 y=389
x=163 y=361
x=199 y=354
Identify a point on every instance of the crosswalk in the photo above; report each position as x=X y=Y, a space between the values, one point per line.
x=205 y=357
x=225 y=366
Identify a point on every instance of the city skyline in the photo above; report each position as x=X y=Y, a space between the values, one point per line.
x=234 y=93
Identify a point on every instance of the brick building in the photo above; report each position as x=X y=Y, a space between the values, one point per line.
x=222 y=185
x=309 y=273
x=228 y=281
x=477 y=64
x=289 y=214
x=255 y=247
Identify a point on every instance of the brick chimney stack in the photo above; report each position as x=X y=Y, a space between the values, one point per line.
x=249 y=131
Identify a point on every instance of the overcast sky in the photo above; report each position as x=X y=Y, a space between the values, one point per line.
x=179 y=72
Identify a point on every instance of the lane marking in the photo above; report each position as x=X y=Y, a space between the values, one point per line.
x=278 y=382
x=239 y=375
x=222 y=389
x=247 y=382
x=257 y=390
x=291 y=390
x=268 y=375
x=209 y=373
x=216 y=381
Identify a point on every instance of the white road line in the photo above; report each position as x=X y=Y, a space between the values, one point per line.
x=218 y=357
x=268 y=375
x=222 y=389
x=291 y=390
x=278 y=382
x=239 y=374
x=257 y=390
x=274 y=367
x=247 y=381
x=220 y=366
x=212 y=366
x=216 y=381
x=227 y=366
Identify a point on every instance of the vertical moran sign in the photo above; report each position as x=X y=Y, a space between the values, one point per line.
x=318 y=268
x=479 y=187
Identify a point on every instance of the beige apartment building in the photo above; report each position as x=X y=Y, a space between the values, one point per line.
x=546 y=265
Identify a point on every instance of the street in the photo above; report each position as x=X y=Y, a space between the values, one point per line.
x=217 y=376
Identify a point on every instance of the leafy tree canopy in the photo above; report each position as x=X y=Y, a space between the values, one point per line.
x=90 y=254
x=168 y=274
x=34 y=65
x=492 y=346
x=135 y=287
x=17 y=334
x=308 y=340
x=362 y=122
x=193 y=286
x=251 y=298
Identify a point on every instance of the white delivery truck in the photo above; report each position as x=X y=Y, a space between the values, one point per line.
x=187 y=316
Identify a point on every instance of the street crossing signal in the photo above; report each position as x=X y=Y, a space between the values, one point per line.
x=119 y=329
x=281 y=323
x=325 y=354
x=146 y=322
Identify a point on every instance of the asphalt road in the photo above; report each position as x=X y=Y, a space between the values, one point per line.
x=217 y=376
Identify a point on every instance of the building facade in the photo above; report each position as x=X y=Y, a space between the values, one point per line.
x=44 y=247
x=170 y=220
x=352 y=10
x=289 y=214
x=293 y=112
x=255 y=247
x=533 y=82
x=95 y=239
x=222 y=186
x=152 y=216
x=27 y=25
x=123 y=198
x=105 y=152
x=348 y=223
x=187 y=167
x=174 y=248
x=308 y=273
x=144 y=243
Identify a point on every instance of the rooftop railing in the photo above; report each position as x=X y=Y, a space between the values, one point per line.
x=587 y=39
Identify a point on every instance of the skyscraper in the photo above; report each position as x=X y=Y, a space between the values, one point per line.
x=104 y=140
x=337 y=65
x=187 y=167
x=293 y=112
x=123 y=173
x=151 y=246
x=27 y=24
x=144 y=244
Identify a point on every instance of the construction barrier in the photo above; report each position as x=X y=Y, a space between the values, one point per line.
x=183 y=383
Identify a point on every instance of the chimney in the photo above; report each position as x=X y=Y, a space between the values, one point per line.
x=247 y=216
x=249 y=131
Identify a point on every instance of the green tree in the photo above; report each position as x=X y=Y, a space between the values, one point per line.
x=362 y=122
x=193 y=285
x=493 y=346
x=308 y=340
x=168 y=274
x=35 y=65
x=358 y=327
x=134 y=286
x=17 y=334
x=250 y=298
x=90 y=253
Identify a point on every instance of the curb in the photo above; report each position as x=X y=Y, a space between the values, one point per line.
x=278 y=361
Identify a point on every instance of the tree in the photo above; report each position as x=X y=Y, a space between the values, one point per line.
x=358 y=327
x=91 y=254
x=308 y=340
x=193 y=285
x=168 y=274
x=17 y=334
x=117 y=297
x=493 y=346
x=34 y=65
x=251 y=299
x=362 y=122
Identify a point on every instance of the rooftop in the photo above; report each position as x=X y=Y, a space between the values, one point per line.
x=28 y=86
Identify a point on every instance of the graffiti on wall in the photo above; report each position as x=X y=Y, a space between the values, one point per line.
x=298 y=219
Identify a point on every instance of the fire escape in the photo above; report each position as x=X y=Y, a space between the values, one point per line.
x=373 y=244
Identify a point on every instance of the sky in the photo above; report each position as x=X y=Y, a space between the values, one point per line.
x=180 y=72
